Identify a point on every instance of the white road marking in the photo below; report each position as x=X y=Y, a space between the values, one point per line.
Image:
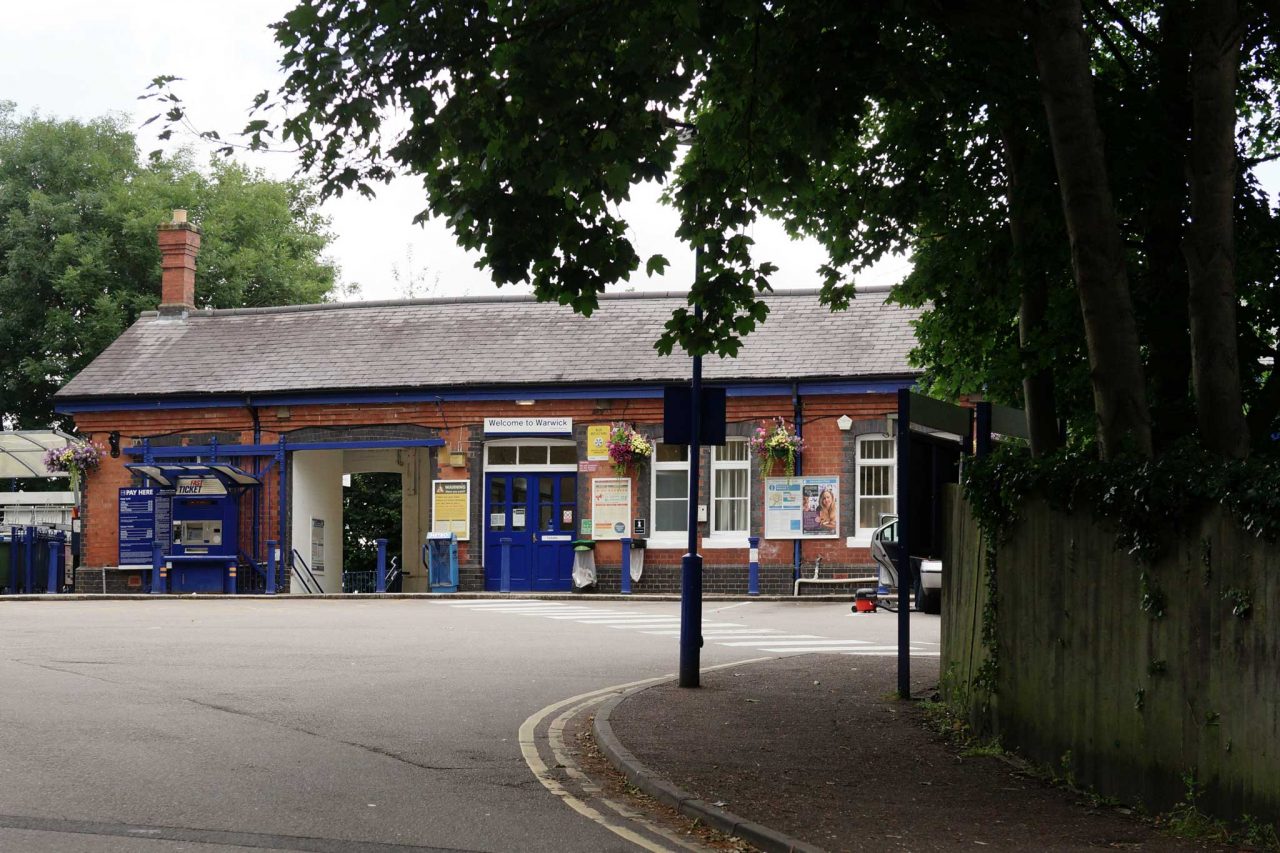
x=722 y=632
x=731 y=606
x=727 y=634
x=529 y=748
x=805 y=639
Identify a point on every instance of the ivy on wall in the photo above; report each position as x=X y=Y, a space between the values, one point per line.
x=1144 y=500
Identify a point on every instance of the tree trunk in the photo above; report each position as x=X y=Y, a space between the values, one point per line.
x=1115 y=365
x=1210 y=243
x=1163 y=300
x=1033 y=288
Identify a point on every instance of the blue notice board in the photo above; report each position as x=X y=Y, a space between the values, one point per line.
x=146 y=516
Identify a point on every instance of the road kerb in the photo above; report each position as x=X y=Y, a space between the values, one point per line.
x=763 y=837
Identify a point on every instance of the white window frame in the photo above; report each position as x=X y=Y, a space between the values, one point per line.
x=862 y=535
x=666 y=538
x=517 y=442
x=728 y=538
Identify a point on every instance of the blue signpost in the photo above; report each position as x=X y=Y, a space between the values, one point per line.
x=380 y=582
x=626 y=565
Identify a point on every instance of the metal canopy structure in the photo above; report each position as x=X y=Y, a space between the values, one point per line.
x=22 y=452
x=167 y=476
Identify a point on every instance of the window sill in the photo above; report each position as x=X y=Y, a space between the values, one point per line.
x=725 y=543
x=857 y=541
x=680 y=545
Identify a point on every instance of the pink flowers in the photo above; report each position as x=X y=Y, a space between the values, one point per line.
x=779 y=443
x=626 y=446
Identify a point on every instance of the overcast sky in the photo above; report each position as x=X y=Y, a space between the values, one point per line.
x=85 y=58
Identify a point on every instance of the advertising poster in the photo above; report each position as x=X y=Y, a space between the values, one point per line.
x=802 y=507
x=598 y=442
x=610 y=507
x=451 y=508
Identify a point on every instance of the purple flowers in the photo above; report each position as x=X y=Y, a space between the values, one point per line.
x=74 y=460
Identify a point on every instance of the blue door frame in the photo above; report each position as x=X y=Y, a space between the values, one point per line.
x=537 y=512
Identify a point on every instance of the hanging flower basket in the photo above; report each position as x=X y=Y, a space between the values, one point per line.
x=627 y=447
x=74 y=460
x=778 y=443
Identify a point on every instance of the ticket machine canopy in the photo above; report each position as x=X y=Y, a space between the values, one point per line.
x=170 y=476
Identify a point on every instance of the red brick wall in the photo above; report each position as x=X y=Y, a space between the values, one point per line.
x=827 y=452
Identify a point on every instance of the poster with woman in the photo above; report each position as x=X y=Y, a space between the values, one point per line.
x=802 y=507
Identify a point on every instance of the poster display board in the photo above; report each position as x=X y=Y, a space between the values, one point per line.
x=802 y=507
x=610 y=507
x=317 y=545
x=146 y=516
x=451 y=507
x=598 y=442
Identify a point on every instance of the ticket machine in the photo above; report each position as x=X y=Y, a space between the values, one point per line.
x=204 y=551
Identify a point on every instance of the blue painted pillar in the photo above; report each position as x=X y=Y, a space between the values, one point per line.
x=55 y=549
x=157 y=569
x=626 y=565
x=753 y=567
x=904 y=542
x=229 y=582
x=29 y=550
x=271 y=567
x=504 y=579
x=13 y=559
x=380 y=582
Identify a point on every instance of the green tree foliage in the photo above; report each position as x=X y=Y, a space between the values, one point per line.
x=371 y=511
x=78 y=255
x=1036 y=159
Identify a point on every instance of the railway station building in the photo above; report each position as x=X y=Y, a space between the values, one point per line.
x=230 y=432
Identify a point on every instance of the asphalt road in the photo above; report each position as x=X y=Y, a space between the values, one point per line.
x=378 y=725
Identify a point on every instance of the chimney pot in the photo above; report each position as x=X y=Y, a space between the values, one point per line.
x=179 y=244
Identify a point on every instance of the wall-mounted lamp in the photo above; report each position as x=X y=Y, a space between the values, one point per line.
x=525 y=402
x=891 y=424
x=844 y=422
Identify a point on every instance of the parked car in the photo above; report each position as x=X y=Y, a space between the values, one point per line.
x=928 y=572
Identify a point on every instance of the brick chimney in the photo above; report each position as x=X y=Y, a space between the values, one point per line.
x=179 y=243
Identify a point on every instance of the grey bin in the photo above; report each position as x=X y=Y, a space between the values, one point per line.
x=584 y=563
x=637 y=559
x=442 y=561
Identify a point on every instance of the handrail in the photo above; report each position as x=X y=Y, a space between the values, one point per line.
x=295 y=559
x=393 y=570
x=245 y=558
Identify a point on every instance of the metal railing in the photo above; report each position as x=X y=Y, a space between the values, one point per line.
x=252 y=577
x=32 y=560
x=366 y=581
x=301 y=573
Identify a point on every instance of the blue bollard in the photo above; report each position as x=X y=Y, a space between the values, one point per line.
x=380 y=582
x=753 y=567
x=271 y=567
x=55 y=548
x=229 y=584
x=626 y=565
x=157 y=569
x=29 y=550
x=504 y=580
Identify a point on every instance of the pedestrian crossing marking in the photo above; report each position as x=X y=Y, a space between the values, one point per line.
x=728 y=634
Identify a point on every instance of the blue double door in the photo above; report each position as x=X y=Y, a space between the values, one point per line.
x=534 y=516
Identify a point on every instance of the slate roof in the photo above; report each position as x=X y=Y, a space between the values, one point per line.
x=488 y=341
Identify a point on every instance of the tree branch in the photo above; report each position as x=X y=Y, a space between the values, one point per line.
x=1127 y=25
